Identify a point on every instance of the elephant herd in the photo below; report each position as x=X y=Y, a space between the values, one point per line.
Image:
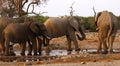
x=25 y=29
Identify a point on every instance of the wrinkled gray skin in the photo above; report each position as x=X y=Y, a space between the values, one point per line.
x=22 y=32
x=107 y=28
x=4 y=21
x=66 y=26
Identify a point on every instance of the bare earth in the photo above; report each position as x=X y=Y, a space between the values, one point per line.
x=81 y=59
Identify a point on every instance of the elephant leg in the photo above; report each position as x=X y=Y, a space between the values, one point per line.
x=29 y=48
x=39 y=45
x=73 y=38
x=69 y=44
x=23 y=47
x=48 y=49
x=104 y=47
x=2 y=47
x=6 y=48
x=11 y=50
x=111 y=40
x=99 y=44
x=34 y=44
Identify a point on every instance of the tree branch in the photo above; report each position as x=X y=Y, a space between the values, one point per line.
x=32 y=12
x=94 y=11
x=29 y=5
x=24 y=2
x=13 y=2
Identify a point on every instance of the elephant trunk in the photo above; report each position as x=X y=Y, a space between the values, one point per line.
x=82 y=34
x=45 y=41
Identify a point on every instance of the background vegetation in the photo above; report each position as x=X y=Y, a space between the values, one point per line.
x=88 y=22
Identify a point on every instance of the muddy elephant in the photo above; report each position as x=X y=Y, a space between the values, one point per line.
x=107 y=24
x=69 y=26
x=22 y=32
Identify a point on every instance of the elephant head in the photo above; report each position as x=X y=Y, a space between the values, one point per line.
x=75 y=23
x=38 y=28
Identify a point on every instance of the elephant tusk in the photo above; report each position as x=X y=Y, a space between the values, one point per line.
x=79 y=36
x=48 y=37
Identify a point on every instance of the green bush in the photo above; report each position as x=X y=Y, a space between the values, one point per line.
x=40 y=19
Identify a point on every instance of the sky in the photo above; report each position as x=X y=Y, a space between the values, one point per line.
x=57 y=8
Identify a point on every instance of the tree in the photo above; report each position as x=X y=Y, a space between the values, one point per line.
x=71 y=9
x=12 y=7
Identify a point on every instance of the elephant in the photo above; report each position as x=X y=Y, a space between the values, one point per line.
x=22 y=32
x=107 y=25
x=67 y=26
x=4 y=21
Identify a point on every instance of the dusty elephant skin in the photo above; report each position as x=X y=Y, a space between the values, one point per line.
x=4 y=21
x=107 y=28
x=22 y=32
x=69 y=26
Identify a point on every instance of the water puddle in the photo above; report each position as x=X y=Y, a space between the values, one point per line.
x=64 y=52
x=52 y=53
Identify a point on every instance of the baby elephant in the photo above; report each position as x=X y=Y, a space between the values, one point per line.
x=22 y=32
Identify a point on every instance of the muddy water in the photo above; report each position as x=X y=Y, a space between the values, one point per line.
x=52 y=53
x=57 y=52
x=64 y=52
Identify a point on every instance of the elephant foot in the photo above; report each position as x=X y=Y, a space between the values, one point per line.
x=98 y=52
x=22 y=54
x=6 y=54
x=69 y=52
x=40 y=54
x=35 y=54
x=12 y=54
x=110 y=52
x=77 y=50
x=104 y=52
x=29 y=54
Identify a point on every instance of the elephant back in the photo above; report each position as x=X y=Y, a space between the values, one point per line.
x=104 y=19
x=55 y=26
x=16 y=32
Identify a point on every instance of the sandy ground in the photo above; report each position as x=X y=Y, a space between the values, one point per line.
x=75 y=60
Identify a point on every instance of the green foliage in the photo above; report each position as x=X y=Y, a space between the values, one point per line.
x=118 y=21
x=88 y=23
x=40 y=18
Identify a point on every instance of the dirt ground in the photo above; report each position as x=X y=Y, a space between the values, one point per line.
x=81 y=59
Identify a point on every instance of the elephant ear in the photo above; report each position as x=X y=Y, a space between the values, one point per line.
x=35 y=27
x=96 y=18
x=74 y=23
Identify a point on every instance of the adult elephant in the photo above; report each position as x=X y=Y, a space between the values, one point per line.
x=107 y=28
x=4 y=21
x=22 y=32
x=66 y=26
